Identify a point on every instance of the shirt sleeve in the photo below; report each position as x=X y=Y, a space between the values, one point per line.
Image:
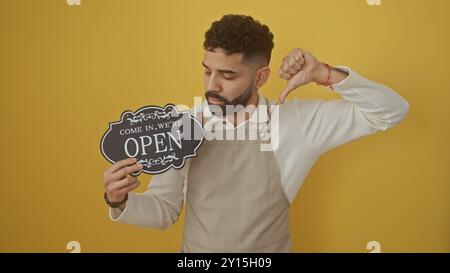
x=159 y=206
x=366 y=107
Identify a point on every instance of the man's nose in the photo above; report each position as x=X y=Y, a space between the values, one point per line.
x=213 y=84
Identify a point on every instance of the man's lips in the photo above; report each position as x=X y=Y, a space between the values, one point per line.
x=214 y=100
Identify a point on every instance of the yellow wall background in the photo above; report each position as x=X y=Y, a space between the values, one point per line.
x=66 y=71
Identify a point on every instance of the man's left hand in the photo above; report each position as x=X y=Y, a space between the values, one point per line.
x=300 y=67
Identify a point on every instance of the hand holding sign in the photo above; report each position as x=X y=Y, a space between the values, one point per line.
x=117 y=181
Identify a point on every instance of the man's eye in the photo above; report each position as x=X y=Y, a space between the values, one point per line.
x=207 y=73
x=227 y=77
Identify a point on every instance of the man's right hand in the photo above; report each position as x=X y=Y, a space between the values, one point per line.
x=118 y=182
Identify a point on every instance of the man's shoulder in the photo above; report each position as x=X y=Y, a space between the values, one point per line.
x=300 y=106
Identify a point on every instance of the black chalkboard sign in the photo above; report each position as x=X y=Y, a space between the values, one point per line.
x=159 y=138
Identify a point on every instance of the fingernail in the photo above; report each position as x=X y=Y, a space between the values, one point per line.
x=140 y=166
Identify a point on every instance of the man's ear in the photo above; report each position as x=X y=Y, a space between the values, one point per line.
x=262 y=75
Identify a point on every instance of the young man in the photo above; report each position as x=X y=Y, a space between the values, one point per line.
x=236 y=195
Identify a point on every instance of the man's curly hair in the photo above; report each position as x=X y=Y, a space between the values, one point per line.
x=240 y=34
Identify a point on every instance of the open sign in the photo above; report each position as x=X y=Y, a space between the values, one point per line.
x=159 y=138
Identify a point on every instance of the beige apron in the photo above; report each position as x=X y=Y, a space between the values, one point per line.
x=234 y=200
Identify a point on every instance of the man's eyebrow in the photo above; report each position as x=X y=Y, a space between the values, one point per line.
x=227 y=71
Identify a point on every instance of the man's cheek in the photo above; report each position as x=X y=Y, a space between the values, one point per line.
x=231 y=93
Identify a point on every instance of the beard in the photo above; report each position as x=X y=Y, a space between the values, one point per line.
x=241 y=100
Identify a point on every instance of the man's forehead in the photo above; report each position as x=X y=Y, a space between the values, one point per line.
x=217 y=59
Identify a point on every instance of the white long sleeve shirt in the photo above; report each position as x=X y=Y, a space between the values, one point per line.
x=308 y=128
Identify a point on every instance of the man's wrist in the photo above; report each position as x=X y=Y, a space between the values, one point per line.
x=119 y=204
x=320 y=74
x=327 y=75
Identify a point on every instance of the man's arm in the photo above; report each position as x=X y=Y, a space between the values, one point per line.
x=367 y=107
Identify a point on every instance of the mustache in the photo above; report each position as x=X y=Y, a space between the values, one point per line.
x=215 y=95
